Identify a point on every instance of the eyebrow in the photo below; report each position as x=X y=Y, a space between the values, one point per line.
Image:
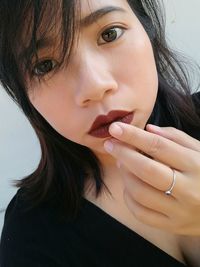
x=85 y=22
x=98 y=14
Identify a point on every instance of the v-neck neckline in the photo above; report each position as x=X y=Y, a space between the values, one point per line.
x=127 y=229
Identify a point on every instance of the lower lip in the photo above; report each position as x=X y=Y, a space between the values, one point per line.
x=102 y=132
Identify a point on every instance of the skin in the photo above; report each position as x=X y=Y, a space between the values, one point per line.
x=168 y=148
x=71 y=99
x=95 y=83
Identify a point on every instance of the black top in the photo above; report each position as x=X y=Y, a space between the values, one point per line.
x=37 y=239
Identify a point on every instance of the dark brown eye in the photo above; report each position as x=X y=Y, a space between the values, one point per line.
x=111 y=34
x=43 y=67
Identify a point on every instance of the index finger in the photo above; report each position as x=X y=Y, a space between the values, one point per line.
x=158 y=147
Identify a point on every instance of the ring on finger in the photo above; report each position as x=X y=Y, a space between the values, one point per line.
x=169 y=191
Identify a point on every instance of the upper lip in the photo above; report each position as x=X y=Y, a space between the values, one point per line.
x=106 y=119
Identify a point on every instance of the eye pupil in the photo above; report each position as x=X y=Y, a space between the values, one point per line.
x=110 y=35
x=43 y=67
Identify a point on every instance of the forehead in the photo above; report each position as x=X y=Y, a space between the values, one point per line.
x=90 y=5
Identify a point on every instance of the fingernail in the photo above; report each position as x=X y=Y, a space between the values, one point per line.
x=108 y=146
x=116 y=129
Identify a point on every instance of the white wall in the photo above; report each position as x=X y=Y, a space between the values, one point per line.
x=183 y=26
x=19 y=148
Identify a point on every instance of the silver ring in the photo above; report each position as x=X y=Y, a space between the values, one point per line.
x=169 y=191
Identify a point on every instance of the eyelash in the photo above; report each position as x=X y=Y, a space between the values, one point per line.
x=33 y=72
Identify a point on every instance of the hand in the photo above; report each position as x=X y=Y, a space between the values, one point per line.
x=147 y=159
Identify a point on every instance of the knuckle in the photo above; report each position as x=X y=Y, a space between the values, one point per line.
x=171 y=129
x=154 y=145
x=148 y=169
x=174 y=130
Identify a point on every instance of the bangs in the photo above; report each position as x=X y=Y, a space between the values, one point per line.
x=47 y=24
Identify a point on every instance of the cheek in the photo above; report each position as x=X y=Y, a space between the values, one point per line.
x=141 y=73
x=57 y=110
x=138 y=56
x=46 y=105
x=50 y=104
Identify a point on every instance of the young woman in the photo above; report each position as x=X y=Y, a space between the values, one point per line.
x=111 y=189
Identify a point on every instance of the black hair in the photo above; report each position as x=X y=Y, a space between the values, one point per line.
x=65 y=165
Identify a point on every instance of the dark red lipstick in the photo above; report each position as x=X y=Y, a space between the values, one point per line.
x=101 y=124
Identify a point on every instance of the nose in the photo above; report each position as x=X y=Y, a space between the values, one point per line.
x=94 y=81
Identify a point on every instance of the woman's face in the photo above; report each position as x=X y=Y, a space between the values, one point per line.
x=112 y=70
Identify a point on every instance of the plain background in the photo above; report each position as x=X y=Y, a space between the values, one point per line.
x=19 y=147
